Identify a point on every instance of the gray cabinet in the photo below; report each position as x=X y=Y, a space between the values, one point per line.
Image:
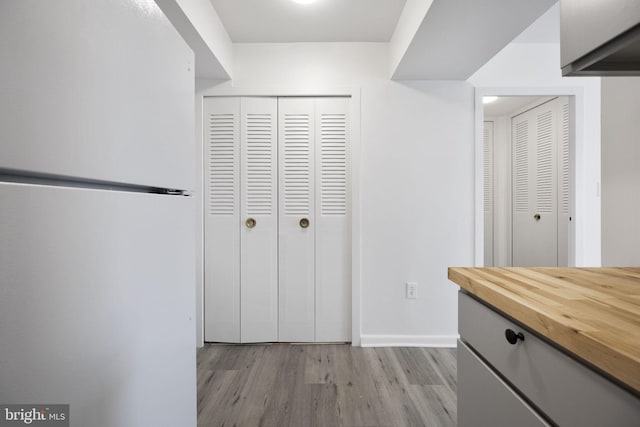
x=484 y=399
x=560 y=388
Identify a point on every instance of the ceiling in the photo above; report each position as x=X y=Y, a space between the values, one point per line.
x=545 y=30
x=457 y=37
x=283 y=21
x=427 y=39
x=507 y=105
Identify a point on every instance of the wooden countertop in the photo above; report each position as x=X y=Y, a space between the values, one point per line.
x=593 y=313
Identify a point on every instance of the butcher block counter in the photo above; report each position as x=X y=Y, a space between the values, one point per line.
x=592 y=315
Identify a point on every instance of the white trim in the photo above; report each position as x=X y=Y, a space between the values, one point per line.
x=225 y=88
x=356 y=247
x=409 y=340
x=199 y=232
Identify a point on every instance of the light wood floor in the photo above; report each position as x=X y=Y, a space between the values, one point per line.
x=326 y=386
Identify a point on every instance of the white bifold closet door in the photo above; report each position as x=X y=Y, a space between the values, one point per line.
x=241 y=220
x=488 y=193
x=535 y=174
x=541 y=185
x=315 y=233
x=333 y=224
x=221 y=220
x=277 y=220
x=297 y=219
x=259 y=213
x=563 y=183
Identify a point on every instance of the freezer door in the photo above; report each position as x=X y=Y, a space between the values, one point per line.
x=100 y=90
x=97 y=303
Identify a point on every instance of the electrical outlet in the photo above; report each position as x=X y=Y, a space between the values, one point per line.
x=412 y=290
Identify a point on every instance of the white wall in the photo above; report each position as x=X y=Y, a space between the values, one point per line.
x=207 y=23
x=501 y=190
x=417 y=208
x=620 y=171
x=411 y=18
x=308 y=66
x=200 y=26
x=458 y=36
x=413 y=178
x=534 y=69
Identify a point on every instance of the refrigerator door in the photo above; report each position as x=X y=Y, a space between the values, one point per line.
x=100 y=90
x=97 y=304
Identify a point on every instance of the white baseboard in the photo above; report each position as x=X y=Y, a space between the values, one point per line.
x=408 y=340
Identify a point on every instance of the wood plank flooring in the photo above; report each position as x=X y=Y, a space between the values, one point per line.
x=325 y=385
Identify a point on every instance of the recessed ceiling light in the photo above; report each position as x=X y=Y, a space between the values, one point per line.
x=488 y=99
x=304 y=1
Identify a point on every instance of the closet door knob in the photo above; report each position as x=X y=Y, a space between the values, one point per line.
x=512 y=337
x=536 y=217
x=304 y=223
x=250 y=223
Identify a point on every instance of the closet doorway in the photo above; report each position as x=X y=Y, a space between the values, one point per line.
x=277 y=219
x=526 y=177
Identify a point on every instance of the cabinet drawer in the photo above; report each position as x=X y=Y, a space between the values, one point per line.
x=567 y=391
x=485 y=400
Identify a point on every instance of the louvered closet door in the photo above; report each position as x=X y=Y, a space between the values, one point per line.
x=535 y=139
x=488 y=193
x=563 y=182
x=333 y=227
x=259 y=214
x=296 y=135
x=221 y=219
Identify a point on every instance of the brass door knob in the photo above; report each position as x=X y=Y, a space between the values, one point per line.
x=304 y=223
x=250 y=223
x=536 y=217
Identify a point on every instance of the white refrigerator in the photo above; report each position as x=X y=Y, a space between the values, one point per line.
x=97 y=262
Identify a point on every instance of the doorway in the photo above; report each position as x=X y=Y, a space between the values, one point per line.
x=526 y=180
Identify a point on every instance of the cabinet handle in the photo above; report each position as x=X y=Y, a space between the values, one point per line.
x=304 y=223
x=250 y=222
x=512 y=337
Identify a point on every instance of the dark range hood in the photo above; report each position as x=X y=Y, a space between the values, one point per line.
x=600 y=38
